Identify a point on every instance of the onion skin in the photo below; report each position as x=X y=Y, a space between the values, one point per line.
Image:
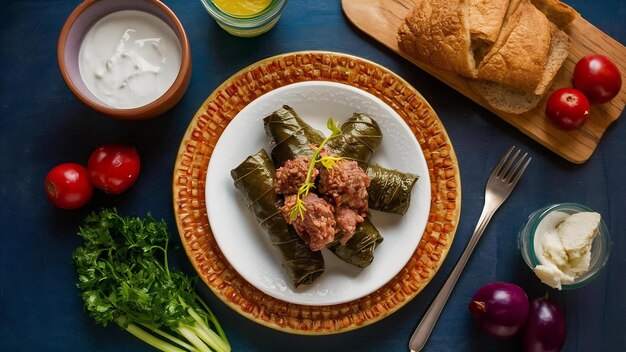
x=500 y=309
x=545 y=329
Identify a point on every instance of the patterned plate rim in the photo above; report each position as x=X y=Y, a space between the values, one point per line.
x=203 y=133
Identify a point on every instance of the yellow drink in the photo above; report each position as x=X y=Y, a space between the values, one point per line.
x=242 y=7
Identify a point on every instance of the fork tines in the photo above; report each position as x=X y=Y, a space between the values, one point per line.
x=509 y=169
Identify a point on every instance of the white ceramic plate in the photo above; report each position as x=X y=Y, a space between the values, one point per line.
x=249 y=250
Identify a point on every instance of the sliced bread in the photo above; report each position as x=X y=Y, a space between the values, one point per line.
x=505 y=98
x=559 y=50
x=520 y=54
x=486 y=18
x=515 y=101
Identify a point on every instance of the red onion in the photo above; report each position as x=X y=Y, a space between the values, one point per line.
x=545 y=328
x=500 y=309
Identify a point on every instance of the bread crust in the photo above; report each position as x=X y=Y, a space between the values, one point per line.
x=519 y=59
x=557 y=12
x=486 y=18
x=437 y=32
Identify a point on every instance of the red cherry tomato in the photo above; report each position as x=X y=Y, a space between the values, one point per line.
x=67 y=186
x=113 y=168
x=598 y=78
x=568 y=108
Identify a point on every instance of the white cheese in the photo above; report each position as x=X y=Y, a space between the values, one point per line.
x=577 y=232
x=563 y=246
x=552 y=276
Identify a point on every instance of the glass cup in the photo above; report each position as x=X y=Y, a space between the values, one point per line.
x=247 y=26
x=600 y=247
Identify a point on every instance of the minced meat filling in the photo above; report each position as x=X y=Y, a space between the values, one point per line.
x=292 y=175
x=347 y=184
x=318 y=225
x=347 y=221
x=338 y=209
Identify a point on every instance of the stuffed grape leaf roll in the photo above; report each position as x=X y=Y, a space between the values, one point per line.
x=360 y=137
x=291 y=137
x=389 y=190
x=254 y=179
x=359 y=250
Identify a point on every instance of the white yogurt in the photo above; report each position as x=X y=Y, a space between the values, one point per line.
x=129 y=59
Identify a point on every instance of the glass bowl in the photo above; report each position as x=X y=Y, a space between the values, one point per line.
x=247 y=26
x=600 y=247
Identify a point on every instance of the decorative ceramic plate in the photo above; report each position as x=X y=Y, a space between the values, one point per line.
x=249 y=250
x=206 y=129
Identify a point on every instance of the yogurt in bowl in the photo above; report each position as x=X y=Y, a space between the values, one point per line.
x=565 y=244
x=129 y=59
x=126 y=59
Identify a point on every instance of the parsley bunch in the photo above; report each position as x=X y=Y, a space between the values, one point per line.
x=124 y=278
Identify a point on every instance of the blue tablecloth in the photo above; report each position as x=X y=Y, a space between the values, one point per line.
x=43 y=124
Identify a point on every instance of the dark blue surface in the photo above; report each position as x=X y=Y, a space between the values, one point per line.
x=42 y=124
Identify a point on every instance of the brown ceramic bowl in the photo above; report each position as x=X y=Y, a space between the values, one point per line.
x=77 y=26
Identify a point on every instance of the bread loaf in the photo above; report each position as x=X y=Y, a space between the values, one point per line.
x=439 y=31
x=509 y=49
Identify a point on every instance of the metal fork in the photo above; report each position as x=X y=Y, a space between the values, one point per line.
x=500 y=184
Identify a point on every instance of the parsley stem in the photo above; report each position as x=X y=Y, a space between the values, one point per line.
x=210 y=338
x=208 y=335
x=151 y=340
x=212 y=318
x=170 y=337
x=298 y=208
x=193 y=338
x=165 y=264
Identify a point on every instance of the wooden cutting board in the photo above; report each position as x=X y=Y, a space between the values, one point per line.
x=381 y=18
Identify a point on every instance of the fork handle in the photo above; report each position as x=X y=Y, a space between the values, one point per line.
x=427 y=324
